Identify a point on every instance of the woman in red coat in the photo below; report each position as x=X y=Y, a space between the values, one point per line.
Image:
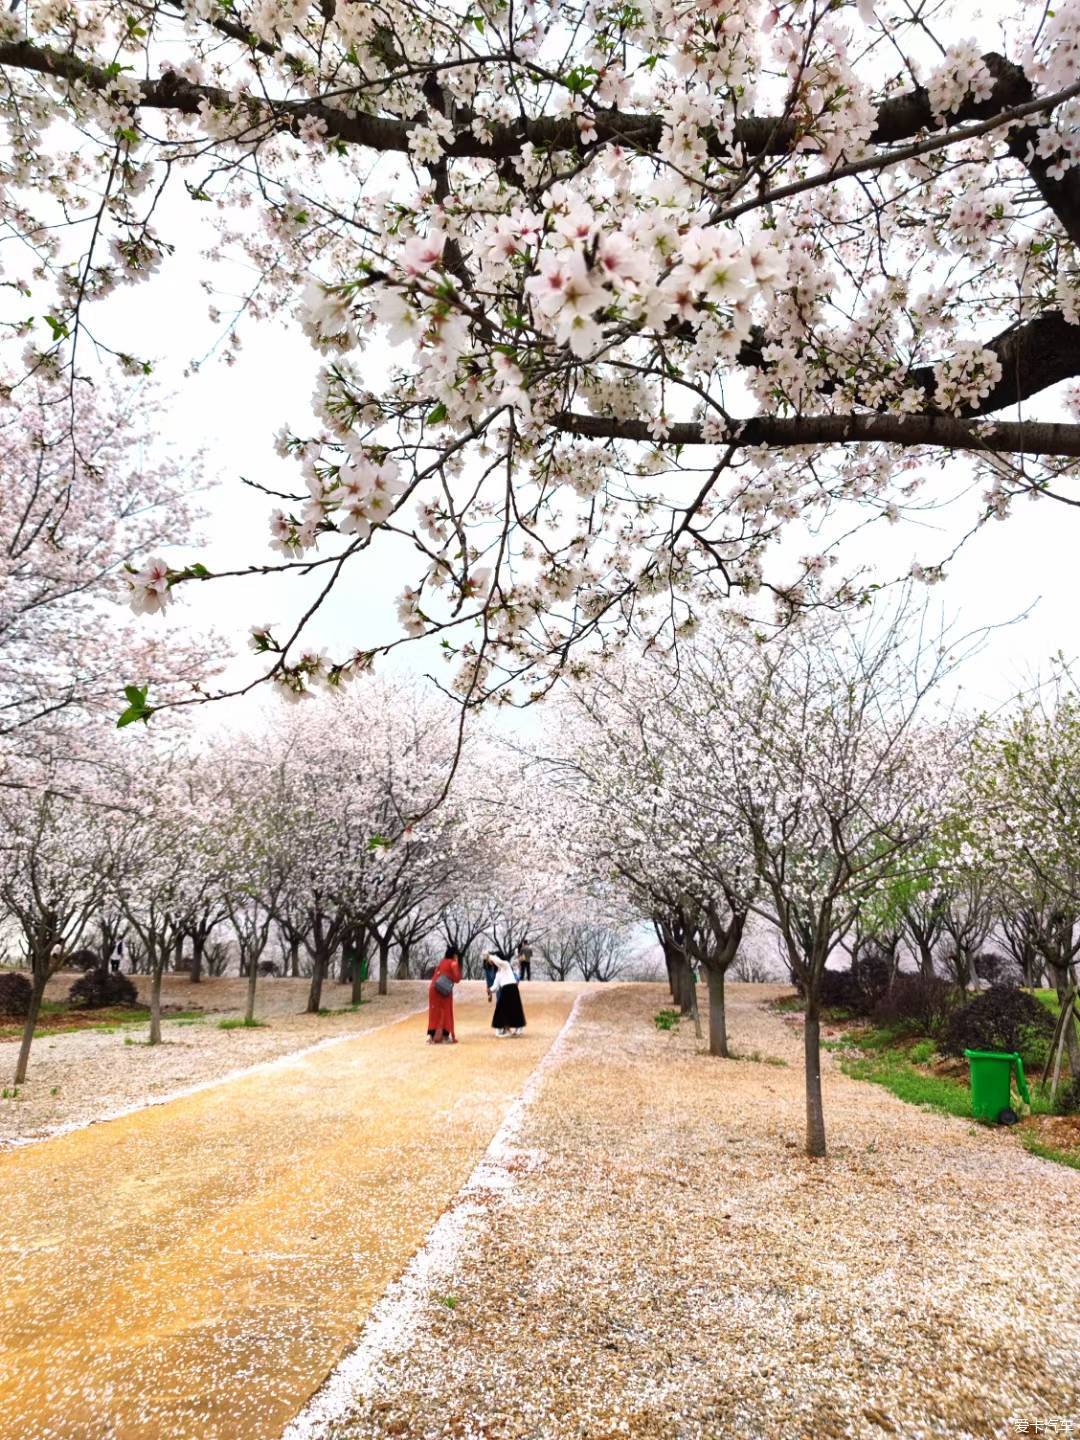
x=440 y=1010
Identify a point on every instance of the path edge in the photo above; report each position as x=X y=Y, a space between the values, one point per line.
x=393 y=1320
x=261 y=1067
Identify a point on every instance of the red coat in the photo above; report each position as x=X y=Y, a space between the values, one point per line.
x=440 y=1008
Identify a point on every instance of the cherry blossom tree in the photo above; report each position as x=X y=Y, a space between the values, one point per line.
x=81 y=501
x=166 y=853
x=838 y=778
x=665 y=281
x=654 y=821
x=1025 y=826
x=50 y=882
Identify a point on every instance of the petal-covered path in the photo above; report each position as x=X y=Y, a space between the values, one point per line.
x=194 y=1270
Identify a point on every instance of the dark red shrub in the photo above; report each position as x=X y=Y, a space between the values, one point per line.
x=100 y=988
x=15 y=994
x=998 y=1019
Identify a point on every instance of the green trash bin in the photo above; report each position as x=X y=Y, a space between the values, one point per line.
x=991 y=1083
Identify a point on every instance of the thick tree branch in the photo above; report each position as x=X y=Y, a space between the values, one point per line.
x=941 y=432
x=899 y=118
x=1034 y=356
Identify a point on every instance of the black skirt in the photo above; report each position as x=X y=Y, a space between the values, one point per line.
x=508 y=1012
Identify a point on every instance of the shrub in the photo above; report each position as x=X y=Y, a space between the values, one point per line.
x=924 y=1001
x=871 y=974
x=267 y=967
x=1034 y=1046
x=83 y=960
x=997 y=969
x=15 y=994
x=100 y=988
x=998 y=1019
x=1068 y=1096
x=838 y=990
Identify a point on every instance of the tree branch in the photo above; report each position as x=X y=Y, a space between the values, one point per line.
x=936 y=431
x=899 y=118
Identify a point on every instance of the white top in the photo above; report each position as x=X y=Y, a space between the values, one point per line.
x=504 y=973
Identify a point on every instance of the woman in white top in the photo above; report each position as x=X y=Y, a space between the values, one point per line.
x=508 y=1017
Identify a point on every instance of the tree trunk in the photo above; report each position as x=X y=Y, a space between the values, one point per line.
x=178 y=963
x=815 y=1114
x=384 y=966
x=1060 y=975
x=198 y=945
x=684 y=986
x=253 y=975
x=402 y=971
x=155 y=1003
x=717 y=1018
x=294 y=959
x=926 y=960
x=314 y=999
x=343 y=966
x=30 y=1024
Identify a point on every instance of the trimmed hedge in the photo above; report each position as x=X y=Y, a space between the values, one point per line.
x=98 y=989
x=16 y=993
x=999 y=1019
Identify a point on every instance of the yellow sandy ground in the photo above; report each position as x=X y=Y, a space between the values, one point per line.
x=193 y=1271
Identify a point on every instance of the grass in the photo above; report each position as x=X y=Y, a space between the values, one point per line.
x=57 y=1017
x=880 y=1057
x=757 y=1058
x=894 y=1070
x=450 y=1301
x=7 y=1094
x=1050 y=1152
x=1049 y=998
x=241 y=1022
x=344 y=1009
x=666 y=1019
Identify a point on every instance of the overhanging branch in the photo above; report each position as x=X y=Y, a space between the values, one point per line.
x=940 y=432
x=900 y=117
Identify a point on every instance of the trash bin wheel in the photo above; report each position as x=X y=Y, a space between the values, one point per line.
x=1008 y=1117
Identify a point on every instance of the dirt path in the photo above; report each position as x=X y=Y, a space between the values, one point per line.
x=192 y=1271
x=88 y=1074
x=669 y=1266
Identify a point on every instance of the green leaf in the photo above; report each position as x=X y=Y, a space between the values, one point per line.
x=437 y=414
x=137 y=708
x=58 y=328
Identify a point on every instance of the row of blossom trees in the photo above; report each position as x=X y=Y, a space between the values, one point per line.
x=818 y=783
x=351 y=830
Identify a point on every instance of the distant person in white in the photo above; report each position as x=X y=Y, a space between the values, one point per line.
x=508 y=1017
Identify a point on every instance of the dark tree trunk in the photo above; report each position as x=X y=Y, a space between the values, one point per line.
x=384 y=966
x=815 y=1113
x=39 y=979
x=343 y=965
x=402 y=971
x=314 y=1001
x=253 y=975
x=155 y=1003
x=294 y=959
x=926 y=960
x=198 y=945
x=717 y=1017
x=684 y=986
